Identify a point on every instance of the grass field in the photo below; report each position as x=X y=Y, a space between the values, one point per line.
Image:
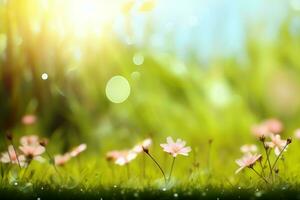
x=72 y=76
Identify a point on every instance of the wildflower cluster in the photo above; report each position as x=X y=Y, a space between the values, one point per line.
x=173 y=148
x=268 y=135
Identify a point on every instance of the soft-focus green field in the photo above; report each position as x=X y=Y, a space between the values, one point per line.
x=195 y=100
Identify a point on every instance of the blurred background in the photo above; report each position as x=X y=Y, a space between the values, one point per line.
x=110 y=73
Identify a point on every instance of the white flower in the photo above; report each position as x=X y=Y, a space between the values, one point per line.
x=248 y=148
x=176 y=148
x=277 y=143
x=77 y=150
x=11 y=157
x=247 y=160
x=144 y=145
x=125 y=157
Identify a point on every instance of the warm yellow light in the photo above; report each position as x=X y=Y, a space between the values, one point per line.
x=83 y=17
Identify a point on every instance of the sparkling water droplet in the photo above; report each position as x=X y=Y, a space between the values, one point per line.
x=175 y=195
x=44 y=76
x=115 y=186
x=258 y=194
x=164 y=189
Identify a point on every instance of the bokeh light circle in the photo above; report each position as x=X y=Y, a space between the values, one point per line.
x=117 y=89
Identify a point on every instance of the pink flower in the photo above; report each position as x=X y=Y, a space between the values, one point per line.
x=247 y=161
x=28 y=119
x=267 y=128
x=33 y=152
x=29 y=140
x=176 y=148
x=112 y=155
x=248 y=148
x=260 y=131
x=297 y=134
x=125 y=157
x=274 y=125
x=61 y=160
x=11 y=157
x=277 y=143
x=145 y=144
x=77 y=150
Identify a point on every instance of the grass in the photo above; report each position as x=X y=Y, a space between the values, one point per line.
x=210 y=104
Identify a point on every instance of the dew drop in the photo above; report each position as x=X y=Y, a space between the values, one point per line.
x=44 y=76
x=175 y=195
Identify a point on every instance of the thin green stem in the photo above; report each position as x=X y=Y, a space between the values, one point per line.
x=281 y=152
x=263 y=178
x=53 y=163
x=262 y=168
x=268 y=159
x=29 y=162
x=16 y=154
x=162 y=171
x=172 y=166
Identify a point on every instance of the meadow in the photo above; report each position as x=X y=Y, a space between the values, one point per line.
x=85 y=111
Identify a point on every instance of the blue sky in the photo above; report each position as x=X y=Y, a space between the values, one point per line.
x=209 y=26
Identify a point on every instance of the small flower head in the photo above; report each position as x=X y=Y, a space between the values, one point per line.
x=274 y=126
x=277 y=143
x=33 y=152
x=61 y=160
x=77 y=150
x=248 y=148
x=247 y=160
x=29 y=119
x=125 y=157
x=260 y=131
x=112 y=155
x=289 y=141
x=267 y=128
x=9 y=135
x=143 y=146
x=11 y=157
x=43 y=142
x=176 y=148
x=30 y=140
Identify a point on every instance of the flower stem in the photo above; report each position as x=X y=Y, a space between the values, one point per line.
x=281 y=152
x=172 y=166
x=29 y=162
x=263 y=178
x=162 y=171
x=53 y=163
x=12 y=144
x=268 y=159
x=262 y=168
